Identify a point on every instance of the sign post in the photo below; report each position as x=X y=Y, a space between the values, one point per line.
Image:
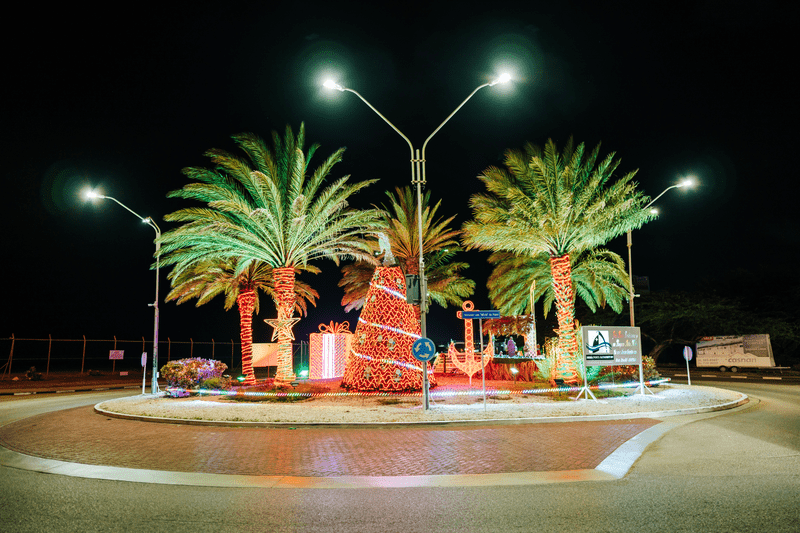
x=687 y=354
x=144 y=370
x=424 y=350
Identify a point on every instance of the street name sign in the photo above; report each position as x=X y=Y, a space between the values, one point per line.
x=479 y=315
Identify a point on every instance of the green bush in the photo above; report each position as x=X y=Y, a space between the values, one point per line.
x=190 y=373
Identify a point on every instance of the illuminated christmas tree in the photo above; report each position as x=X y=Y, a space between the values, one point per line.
x=380 y=357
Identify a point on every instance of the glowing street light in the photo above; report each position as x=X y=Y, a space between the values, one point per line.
x=94 y=195
x=686 y=182
x=418 y=178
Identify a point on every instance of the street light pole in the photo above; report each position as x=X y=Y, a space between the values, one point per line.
x=688 y=182
x=150 y=222
x=418 y=178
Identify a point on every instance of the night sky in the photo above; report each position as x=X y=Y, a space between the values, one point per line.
x=123 y=100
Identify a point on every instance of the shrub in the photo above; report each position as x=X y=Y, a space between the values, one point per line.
x=189 y=373
x=221 y=383
x=630 y=372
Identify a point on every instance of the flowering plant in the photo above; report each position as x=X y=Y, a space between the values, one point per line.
x=191 y=373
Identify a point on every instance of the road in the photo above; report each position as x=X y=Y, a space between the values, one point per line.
x=737 y=471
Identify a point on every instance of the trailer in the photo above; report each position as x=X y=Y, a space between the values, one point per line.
x=733 y=352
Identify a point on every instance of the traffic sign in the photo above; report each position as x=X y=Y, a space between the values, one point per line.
x=475 y=315
x=687 y=353
x=423 y=349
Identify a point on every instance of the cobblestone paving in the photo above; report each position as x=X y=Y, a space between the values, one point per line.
x=82 y=436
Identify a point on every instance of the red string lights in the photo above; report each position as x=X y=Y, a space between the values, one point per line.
x=246 y=302
x=380 y=355
x=568 y=347
x=284 y=299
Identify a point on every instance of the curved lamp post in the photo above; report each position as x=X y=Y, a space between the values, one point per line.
x=418 y=179
x=92 y=195
x=688 y=182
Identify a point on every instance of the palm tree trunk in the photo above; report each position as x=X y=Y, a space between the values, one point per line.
x=246 y=303
x=285 y=300
x=568 y=347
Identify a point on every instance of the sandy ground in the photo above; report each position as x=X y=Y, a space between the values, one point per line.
x=453 y=407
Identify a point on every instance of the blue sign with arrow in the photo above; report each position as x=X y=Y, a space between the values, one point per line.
x=423 y=349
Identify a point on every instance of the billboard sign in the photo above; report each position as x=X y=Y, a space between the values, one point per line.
x=609 y=345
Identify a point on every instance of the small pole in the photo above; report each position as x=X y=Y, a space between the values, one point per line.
x=48 y=354
x=83 y=357
x=191 y=347
x=144 y=371
x=483 y=366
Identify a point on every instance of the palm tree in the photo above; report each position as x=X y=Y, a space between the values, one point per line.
x=399 y=219
x=598 y=277
x=270 y=207
x=205 y=279
x=558 y=204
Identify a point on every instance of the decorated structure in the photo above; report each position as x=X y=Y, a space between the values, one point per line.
x=328 y=350
x=380 y=355
x=506 y=328
x=468 y=361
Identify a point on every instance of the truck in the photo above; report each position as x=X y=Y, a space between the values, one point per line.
x=732 y=352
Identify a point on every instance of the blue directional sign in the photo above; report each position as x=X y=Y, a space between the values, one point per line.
x=423 y=349
x=475 y=315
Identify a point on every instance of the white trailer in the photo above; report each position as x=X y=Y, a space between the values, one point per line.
x=735 y=352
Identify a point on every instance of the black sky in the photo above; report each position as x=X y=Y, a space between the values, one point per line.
x=123 y=100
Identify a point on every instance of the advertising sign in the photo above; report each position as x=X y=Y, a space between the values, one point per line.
x=608 y=345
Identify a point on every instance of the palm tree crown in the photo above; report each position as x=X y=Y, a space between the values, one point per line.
x=555 y=203
x=399 y=225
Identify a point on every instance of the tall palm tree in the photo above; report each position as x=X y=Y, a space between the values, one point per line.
x=400 y=228
x=558 y=204
x=270 y=207
x=599 y=278
x=205 y=279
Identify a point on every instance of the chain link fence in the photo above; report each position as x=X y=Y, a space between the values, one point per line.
x=82 y=355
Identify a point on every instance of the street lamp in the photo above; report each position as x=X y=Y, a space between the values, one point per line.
x=92 y=195
x=418 y=178
x=687 y=182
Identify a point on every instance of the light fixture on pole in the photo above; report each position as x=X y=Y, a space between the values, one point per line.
x=687 y=182
x=92 y=195
x=418 y=179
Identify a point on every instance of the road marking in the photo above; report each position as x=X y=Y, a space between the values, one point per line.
x=708 y=375
x=739 y=377
x=684 y=375
x=768 y=377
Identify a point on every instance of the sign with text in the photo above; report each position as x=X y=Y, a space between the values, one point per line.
x=116 y=354
x=480 y=315
x=608 y=345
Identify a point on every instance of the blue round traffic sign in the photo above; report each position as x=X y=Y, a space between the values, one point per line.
x=423 y=349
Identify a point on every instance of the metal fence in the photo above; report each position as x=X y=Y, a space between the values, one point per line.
x=73 y=355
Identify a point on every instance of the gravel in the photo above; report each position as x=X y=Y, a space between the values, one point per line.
x=667 y=399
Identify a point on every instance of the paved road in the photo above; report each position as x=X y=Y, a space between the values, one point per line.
x=732 y=472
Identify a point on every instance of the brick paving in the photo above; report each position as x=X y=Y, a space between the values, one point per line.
x=80 y=435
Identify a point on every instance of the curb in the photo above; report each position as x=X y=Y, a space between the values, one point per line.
x=94 y=389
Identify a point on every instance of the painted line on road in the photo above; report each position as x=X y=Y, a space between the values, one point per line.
x=708 y=375
x=738 y=377
x=770 y=377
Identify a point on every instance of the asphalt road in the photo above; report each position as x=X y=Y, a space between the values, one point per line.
x=738 y=471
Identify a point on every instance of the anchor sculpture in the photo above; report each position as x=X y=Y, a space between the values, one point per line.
x=471 y=361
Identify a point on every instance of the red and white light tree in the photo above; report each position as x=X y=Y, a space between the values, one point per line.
x=380 y=356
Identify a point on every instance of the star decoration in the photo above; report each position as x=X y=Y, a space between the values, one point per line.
x=281 y=324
